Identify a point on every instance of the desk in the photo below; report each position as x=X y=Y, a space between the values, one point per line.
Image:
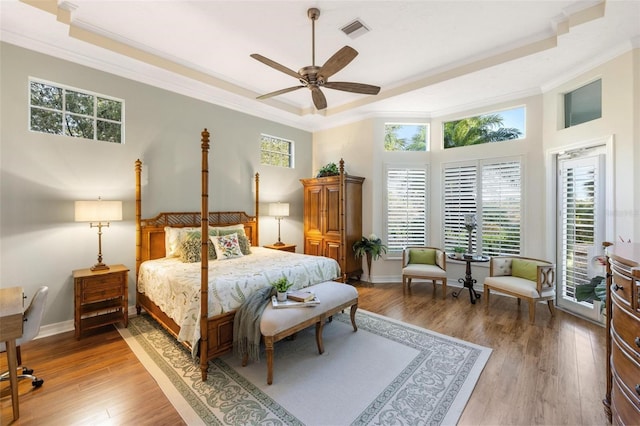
x=11 y=311
x=468 y=280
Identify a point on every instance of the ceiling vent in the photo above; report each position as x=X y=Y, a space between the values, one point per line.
x=355 y=29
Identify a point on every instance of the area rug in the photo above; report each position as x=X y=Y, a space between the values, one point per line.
x=388 y=373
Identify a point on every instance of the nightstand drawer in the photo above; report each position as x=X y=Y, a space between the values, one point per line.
x=101 y=288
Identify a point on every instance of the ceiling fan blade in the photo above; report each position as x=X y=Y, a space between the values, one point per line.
x=318 y=98
x=339 y=60
x=279 y=92
x=366 y=89
x=275 y=65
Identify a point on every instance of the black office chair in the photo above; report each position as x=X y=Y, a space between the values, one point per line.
x=32 y=319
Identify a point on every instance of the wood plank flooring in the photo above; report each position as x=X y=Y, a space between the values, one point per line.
x=550 y=373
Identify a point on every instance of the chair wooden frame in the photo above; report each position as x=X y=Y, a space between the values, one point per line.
x=545 y=281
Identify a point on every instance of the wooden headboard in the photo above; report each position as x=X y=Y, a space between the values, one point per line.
x=152 y=238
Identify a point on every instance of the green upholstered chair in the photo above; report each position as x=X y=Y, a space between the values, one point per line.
x=524 y=278
x=425 y=263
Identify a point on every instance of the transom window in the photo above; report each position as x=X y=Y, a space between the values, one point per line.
x=486 y=128
x=583 y=104
x=276 y=151
x=406 y=137
x=491 y=190
x=61 y=110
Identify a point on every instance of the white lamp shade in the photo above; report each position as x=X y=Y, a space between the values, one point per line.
x=98 y=211
x=279 y=209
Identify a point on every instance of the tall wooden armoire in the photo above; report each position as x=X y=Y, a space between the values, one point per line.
x=333 y=219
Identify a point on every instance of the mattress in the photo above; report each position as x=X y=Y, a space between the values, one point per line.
x=174 y=285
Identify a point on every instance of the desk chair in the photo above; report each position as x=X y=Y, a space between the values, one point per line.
x=32 y=319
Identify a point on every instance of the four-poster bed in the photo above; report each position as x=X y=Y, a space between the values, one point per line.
x=196 y=301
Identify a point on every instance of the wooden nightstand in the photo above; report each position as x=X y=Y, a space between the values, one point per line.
x=286 y=247
x=101 y=297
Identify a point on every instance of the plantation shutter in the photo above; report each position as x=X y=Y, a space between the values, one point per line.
x=578 y=199
x=459 y=199
x=493 y=192
x=406 y=208
x=501 y=208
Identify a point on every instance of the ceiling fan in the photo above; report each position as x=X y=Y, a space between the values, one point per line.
x=314 y=77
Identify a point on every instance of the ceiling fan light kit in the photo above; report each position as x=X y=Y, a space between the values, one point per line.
x=314 y=77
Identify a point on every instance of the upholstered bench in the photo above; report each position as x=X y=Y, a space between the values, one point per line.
x=276 y=324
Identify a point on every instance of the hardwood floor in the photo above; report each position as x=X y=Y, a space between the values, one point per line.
x=550 y=373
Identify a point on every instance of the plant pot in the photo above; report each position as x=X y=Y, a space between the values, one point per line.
x=281 y=296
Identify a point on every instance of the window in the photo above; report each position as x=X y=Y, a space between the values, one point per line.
x=406 y=137
x=491 y=190
x=494 y=127
x=65 y=111
x=276 y=151
x=406 y=208
x=583 y=104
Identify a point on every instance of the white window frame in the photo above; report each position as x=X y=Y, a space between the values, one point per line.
x=94 y=116
x=475 y=198
x=416 y=195
x=290 y=155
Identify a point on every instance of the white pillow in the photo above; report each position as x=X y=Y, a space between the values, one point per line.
x=227 y=246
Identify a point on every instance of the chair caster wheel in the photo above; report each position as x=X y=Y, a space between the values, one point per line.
x=37 y=383
x=26 y=370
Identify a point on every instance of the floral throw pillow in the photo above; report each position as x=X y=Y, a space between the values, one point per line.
x=227 y=246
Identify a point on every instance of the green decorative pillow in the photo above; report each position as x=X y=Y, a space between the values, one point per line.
x=423 y=256
x=227 y=246
x=191 y=247
x=524 y=269
x=243 y=240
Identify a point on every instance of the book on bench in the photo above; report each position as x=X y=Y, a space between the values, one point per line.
x=292 y=303
x=300 y=295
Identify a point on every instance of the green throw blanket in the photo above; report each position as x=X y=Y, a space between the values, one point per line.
x=246 y=324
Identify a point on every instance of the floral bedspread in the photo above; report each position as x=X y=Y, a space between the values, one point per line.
x=174 y=285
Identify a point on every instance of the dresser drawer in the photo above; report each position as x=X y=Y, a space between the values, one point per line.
x=626 y=368
x=102 y=287
x=625 y=412
x=622 y=287
x=625 y=326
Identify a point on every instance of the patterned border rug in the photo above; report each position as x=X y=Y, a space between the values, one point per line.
x=388 y=372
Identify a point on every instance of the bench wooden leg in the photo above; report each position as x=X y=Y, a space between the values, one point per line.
x=354 y=307
x=319 y=328
x=268 y=343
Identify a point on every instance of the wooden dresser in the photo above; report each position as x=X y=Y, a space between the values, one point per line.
x=622 y=400
x=333 y=219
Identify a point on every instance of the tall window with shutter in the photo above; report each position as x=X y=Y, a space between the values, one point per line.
x=492 y=190
x=406 y=208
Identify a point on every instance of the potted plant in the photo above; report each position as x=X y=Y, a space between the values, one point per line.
x=370 y=247
x=459 y=252
x=330 y=169
x=281 y=286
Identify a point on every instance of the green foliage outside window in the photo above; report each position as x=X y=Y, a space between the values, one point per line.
x=478 y=130
x=63 y=111
x=276 y=151
x=405 y=137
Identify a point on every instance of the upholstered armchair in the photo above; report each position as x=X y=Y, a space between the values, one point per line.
x=426 y=263
x=523 y=278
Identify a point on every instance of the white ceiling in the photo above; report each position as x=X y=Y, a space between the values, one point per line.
x=430 y=57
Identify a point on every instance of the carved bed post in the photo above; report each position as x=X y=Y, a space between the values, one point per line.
x=256 y=242
x=343 y=234
x=204 y=259
x=138 y=168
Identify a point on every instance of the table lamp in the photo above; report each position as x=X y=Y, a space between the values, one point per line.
x=98 y=213
x=279 y=210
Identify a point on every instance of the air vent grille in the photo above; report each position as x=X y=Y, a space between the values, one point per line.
x=355 y=29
